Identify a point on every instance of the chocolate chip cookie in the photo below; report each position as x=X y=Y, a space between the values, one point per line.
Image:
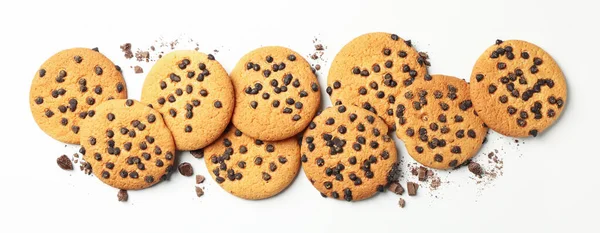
x=347 y=154
x=67 y=86
x=437 y=122
x=195 y=95
x=250 y=168
x=517 y=88
x=372 y=69
x=127 y=144
x=277 y=94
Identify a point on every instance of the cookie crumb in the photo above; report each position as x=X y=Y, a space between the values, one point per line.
x=138 y=69
x=401 y=203
x=475 y=168
x=396 y=188
x=185 y=169
x=319 y=47
x=200 y=179
x=122 y=195
x=64 y=162
x=317 y=67
x=422 y=173
x=412 y=188
x=198 y=153
x=199 y=191
x=142 y=55
x=126 y=48
x=314 y=56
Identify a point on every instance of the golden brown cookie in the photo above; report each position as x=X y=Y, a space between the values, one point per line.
x=347 y=154
x=517 y=88
x=127 y=144
x=276 y=93
x=67 y=85
x=250 y=168
x=371 y=70
x=437 y=122
x=195 y=95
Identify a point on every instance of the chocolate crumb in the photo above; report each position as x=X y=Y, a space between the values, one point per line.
x=200 y=179
x=396 y=188
x=138 y=69
x=314 y=56
x=475 y=168
x=197 y=153
x=317 y=67
x=64 y=162
x=401 y=203
x=126 y=48
x=412 y=188
x=185 y=169
x=142 y=56
x=199 y=192
x=422 y=173
x=122 y=195
x=319 y=47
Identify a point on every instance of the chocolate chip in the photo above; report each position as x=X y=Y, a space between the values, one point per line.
x=455 y=150
x=533 y=69
x=453 y=163
x=42 y=73
x=492 y=88
x=438 y=158
x=64 y=162
x=533 y=132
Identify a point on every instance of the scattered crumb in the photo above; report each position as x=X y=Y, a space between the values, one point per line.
x=435 y=183
x=401 y=203
x=142 y=55
x=152 y=48
x=200 y=179
x=412 y=188
x=185 y=169
x=422 y=173
x=197 y=153
x=76 y=155
x=317 y=67
x=85 y=167
x=319 y=47
x=215 y=51
x=64 y=162
x=396 y=188
x=138 y=69
x=475 y=168
x=199 y=191
x=314 y=56
x=122 y=195
x=126 y=48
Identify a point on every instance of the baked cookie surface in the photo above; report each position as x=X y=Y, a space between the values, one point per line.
x=347 y=154
x=437 y=122
x=195 y=95
x=371 y=70
x=277 y=94
x=517 y=88
x=127 y=144
x=250 y=168
x=67 y=85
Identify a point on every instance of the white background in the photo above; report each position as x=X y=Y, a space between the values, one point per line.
x=549 y=182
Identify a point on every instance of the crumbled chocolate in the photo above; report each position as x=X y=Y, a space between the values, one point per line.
x=185 y=169
x=126 y=48
x=401 y=203
x=138 y=69
x=422 y=173
x=142 y=56
x=122 y=195
x=199 y=192
x=412 y=188
x=475 y=168
x=396 y=188
x=200 y=179
x=319 y=47
x=64 y=162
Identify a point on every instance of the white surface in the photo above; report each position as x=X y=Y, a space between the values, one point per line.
x=549 y=183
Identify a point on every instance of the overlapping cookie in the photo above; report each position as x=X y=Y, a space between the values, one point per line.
x=67 y=86
x=250 y=168
x=276 y=92
x=127 y=144
x=347 y=154
x=195 y=95
x=437 y=122
x=371 y=70
x=517 y=88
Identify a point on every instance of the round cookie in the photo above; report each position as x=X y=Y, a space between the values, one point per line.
x=276 y=93
x=371 y=70
x=347 y=154
x=127 y=144
x=67 y=85
x=194 y=94
x=250 y=168
x=517 y=88
x=437 y=123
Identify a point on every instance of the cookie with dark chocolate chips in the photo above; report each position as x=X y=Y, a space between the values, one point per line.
x=372 y=69
x=347 y=154
x=66 y=88
x=195 y=95
x=437 y=122
x=127 y=144
x=250 y=168
x=517 y=88
x=277 y=94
